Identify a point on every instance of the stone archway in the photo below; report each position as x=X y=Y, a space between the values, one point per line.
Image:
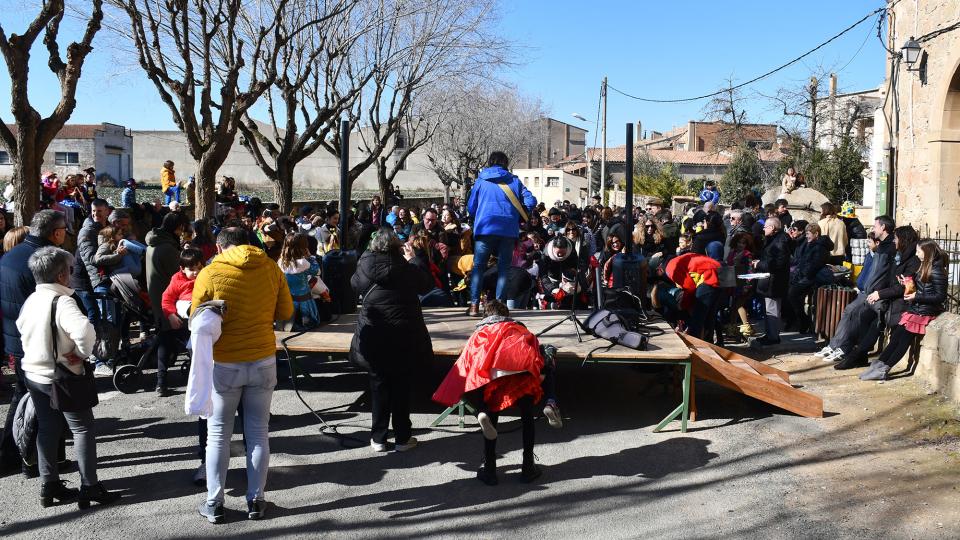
x=945 y=152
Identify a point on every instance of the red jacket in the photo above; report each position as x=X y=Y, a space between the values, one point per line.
x=505 y=346
x=679 y=270
x=180 y=288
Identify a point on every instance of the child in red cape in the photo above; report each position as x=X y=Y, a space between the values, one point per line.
x=499 y=367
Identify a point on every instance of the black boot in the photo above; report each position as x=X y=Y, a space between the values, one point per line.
x=488 y=471
x=529 y=471
x=95 y=493
x=56 y=490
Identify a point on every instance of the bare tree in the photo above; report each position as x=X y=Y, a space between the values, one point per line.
x=475 y=121
x=34 y=133
x=314 y=85
x=421 y=45
x=210 y=61
x=728 y=108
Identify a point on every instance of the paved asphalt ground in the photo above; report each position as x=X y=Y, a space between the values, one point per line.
x=744 y=470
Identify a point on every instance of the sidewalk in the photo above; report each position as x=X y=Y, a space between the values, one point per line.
x=883 y=463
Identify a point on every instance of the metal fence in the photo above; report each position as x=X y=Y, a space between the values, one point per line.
x=949 y=242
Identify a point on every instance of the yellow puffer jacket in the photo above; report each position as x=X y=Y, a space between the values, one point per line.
x=256 y=294
x=168 y=179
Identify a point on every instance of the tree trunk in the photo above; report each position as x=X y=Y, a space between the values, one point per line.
x=283 y=190
x=206 y=181
x=446 y=193
x=26 y=176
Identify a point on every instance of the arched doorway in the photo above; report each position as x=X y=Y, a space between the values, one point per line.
x=945 y=150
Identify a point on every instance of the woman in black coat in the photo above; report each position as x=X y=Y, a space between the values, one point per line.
x=391 y=339
x=810 y=257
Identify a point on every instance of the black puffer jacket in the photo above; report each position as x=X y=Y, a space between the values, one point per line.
x=931 y=294
x=775 y=259
x=810 y=258
x=893 y=292
x=16 y=284
x=391 y=336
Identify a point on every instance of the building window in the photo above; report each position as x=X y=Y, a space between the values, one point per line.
x=536 y=181
x=66 y=158
x=553 y=181
x=566 y=190
x=4 y=157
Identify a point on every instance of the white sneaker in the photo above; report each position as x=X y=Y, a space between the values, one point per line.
x=824 y=352
x=552 y=412
x=486 y=426
x=409 y=445
x=377 y=447
x=103 y=370
x=834 y=356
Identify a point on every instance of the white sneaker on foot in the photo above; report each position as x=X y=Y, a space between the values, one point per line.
x=103 y=370
x=486 y=426
x=552 y=412
x=377 y=447
x=824 y=352
x=834 y=356
x=409 y=445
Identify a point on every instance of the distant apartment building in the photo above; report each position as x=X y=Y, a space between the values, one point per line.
x=556 y=141
x=106 y=147
x=549 y=185
x=698 y=150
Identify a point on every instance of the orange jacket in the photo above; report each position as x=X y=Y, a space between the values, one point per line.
x=504 y=346
x=168 y=179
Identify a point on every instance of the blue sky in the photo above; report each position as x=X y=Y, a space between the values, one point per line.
x=654 y=49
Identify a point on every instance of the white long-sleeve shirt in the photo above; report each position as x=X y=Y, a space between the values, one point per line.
x=75 y=334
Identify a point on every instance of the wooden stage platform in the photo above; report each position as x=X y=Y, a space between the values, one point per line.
x=450 y=328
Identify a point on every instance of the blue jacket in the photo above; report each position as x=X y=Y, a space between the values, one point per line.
x=708 y=195
x=493 y=214
x=16 y=284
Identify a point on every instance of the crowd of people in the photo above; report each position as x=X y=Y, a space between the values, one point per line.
x=716 y=272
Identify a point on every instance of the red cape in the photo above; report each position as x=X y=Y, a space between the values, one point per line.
x=505 y=346
x=679 y=268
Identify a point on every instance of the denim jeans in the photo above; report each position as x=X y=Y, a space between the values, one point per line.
x=250 y=383
x=90 y=305
x=484 y=246
x=50 y=430
x=171 y=194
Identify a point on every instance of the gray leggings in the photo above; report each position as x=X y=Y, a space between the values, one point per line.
x=50 y=428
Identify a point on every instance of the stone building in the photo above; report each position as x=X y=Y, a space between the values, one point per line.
x=924 y=112
x=557 y=140
x=106 y=147
x=551 y=184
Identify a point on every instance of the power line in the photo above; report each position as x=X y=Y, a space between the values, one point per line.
x=755 y=79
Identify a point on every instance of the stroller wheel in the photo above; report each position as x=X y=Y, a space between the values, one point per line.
x=127 y=378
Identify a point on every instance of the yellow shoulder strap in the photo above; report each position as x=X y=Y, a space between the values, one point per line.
x=513 y=200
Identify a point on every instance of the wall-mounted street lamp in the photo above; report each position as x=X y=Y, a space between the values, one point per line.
x=910 y=53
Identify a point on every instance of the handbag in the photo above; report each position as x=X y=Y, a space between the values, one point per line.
x=70 y=392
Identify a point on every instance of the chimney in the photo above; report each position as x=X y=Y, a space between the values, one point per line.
x=638 y=130
x=833 y=85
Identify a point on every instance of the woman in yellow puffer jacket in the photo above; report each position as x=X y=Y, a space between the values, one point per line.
x=256 y=294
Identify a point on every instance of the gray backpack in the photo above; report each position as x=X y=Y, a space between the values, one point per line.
x=25 y=430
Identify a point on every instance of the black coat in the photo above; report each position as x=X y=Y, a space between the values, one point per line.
x=908 y=265
x=391 y=336
x=775 y=259
x=703 y=238
x=810 y=258
x=16 y=284
x=931 y=294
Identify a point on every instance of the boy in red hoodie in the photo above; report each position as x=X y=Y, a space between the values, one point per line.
x=175 y=303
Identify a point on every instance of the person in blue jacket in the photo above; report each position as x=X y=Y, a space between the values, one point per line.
x=710 y=193
x=496 y=223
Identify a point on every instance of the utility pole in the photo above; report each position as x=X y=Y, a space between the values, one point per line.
x=603 y=148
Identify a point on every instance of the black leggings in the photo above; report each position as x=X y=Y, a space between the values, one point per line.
x=900 y=341
x=526 y=406
x=170 y=343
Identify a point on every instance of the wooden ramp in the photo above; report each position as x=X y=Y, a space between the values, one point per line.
x=750 y=377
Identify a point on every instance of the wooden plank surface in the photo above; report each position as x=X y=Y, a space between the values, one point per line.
x=450 y=328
